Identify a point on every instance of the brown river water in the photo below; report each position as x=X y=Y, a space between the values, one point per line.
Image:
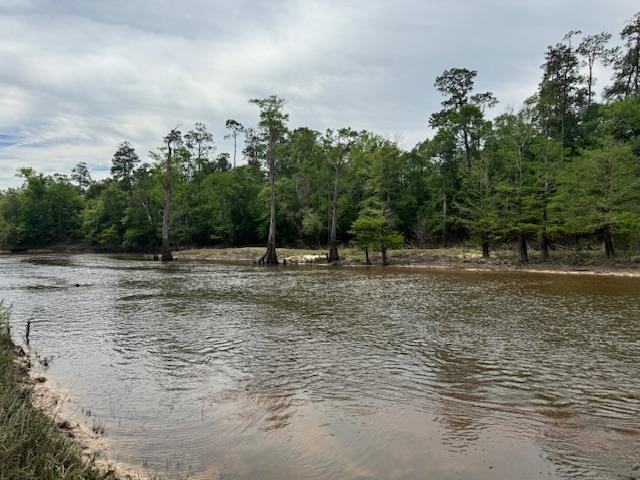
x=240 y=372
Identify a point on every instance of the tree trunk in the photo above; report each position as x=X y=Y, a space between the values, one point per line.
x=467 y=148
x=366 y=256
x=590 y=84
x=522 y=247
x=608 y=243
x=235 y=148
x=485 y=247
x=385 y=258
x=444 y=221
x=544 y=247
x=333 y=244
x=271 y=258
x=166 y=250
x=333 y=252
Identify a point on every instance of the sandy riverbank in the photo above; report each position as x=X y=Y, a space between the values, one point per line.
x=55 y=403
x=589 y=263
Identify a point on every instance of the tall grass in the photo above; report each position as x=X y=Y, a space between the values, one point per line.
x=31 y=448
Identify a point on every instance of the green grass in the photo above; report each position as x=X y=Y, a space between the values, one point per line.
x=31 y=447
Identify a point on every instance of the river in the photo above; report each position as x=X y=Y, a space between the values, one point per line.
x=240 y=372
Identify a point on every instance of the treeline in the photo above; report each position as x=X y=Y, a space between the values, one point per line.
x=564 y=171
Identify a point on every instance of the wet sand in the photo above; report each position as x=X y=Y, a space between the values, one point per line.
x=54 y=401
x=451 y=259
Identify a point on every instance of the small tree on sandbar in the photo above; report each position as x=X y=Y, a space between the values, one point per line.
x=374 y=230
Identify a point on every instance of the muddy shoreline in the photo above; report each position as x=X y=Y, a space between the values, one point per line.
x=56 y=404
x=426 y=260
x=463 y=259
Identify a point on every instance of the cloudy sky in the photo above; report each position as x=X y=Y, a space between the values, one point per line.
x=79 y=76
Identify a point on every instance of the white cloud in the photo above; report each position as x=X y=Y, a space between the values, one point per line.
x=77 y=77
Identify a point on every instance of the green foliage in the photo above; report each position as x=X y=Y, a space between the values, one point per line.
x=627 y=62
x=373 y=230
x=102 y=219
x=600 y=192
x=623 y=121
x=561 y=96
x=564 y=166
x=478 y=204
x=123 y=164
x=44 y=211
x=81 y=176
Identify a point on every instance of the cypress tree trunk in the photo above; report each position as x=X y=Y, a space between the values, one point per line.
x=385 y=259
x=366 y=256
x=522 y=247
x=333 y=244
x=467 y=149
x=444 y=221
x=166 y=250
x=544 y=248
x=608 y=243
x=271 y=258
x=485 y=247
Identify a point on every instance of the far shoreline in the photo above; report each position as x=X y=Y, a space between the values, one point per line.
x=450 y=259
x=590 y=263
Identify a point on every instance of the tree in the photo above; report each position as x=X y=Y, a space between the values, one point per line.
x=102 y=218
x=626 y=80
x=199 y=141
x=172 y=141
x=142 y=217
x=516 y=197
x=463 y=112
x=229 y=211
x=337 y=146
x=546 y=154
x=623 y=121
x=221 y=163
x=561 y=96
x=271 y=130
x=80 y=174
x=478 y=204
x=10 y=201
x=123 y=165
x=600 y=193
x=593 y=48
x=235 y=128
x=47 y=210
x=374 y=229
x=444 y=183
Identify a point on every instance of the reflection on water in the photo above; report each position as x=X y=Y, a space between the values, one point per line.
x=318 y=373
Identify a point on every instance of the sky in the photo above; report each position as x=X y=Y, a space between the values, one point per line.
x=77 y=77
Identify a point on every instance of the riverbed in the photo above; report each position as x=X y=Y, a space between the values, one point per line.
x=233 y=371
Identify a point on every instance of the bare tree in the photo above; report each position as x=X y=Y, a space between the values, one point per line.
x=235 y=128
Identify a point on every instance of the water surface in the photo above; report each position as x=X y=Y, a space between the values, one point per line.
x=241 y=372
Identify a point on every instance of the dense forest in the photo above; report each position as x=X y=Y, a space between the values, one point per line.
x=563 y=172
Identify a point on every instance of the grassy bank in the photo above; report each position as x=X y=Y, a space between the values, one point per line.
x=31 y=445
x=456 y=258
